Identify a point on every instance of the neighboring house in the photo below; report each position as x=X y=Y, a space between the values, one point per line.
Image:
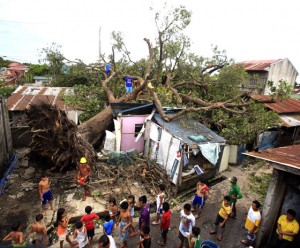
x=180 y=145
x=289 y=131
x=283 y=192
x=41 y=81
x=14 y=71
x=262 y=71
x=169 y=144
x=130 y=119
x=23 y=97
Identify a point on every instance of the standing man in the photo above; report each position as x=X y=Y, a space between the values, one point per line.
x=252 y=223
x=83 y=177
x=128 y=83
x=234 y=194
x=288 y=227
x=45 y=193
x=202 y=192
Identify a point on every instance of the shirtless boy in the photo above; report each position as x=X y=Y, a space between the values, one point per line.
x=45 y=193
x=202 y=193
x=40 y=231
x=16 y=235
x=83 y=176
x=125 y=222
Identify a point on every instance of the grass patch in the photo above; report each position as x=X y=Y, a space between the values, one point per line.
x=259 y=185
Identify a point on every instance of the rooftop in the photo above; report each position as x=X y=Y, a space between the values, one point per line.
x=257 y=65
x=183 y=127
x=280 y=107
x=24 y=96
x=288 y=155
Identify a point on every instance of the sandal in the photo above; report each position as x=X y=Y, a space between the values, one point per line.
x=245 y=242
x=133 y=234
x=219 y=238
x=160 y=243
x=212 y=232
x=155 y=223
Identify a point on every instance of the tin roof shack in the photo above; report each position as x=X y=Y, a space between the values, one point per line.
x=283 y=192
x=23 y=97
x=262 y=71
x=130 y=120
x=179 y=145
x=289 y=131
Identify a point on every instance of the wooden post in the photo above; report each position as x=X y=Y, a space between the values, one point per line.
x=179 y=178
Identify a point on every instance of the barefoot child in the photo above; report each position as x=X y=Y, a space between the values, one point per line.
x=125 y=222
x=80 y=235
x=202 y=192
x=16 y=236
x=45 y=193
x=145 y=241
x=165 y=223
x=62 y=222
x=108 y=225
x=131 y=202
x=88 y=220
x=194 y=238
x=222 y=217
x=40 y=231
x=159 y=202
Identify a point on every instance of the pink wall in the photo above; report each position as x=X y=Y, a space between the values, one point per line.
x=127 y=130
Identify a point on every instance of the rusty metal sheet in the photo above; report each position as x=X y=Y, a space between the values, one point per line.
x=257 y=65
x=288 y=155
x=24 y=96
x=289 y=106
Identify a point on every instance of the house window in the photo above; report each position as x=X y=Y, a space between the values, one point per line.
x=137 y=129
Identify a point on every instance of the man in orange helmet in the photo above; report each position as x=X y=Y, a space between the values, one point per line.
x=83 y=177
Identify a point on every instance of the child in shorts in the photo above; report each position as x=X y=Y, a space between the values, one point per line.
x=159 y=202
x=80 y=235
x=145 y=241
x=165 y=223
x=108 y=225
x=40 y=231
x=113 y=208
x=131 y=202
x=62 y=221
x=88 y=220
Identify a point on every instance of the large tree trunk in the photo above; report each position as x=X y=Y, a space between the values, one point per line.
x=93 y=129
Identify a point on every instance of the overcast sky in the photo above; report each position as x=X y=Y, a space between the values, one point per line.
x=247 y=30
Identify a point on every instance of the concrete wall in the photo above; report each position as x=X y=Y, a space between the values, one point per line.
x=128 y=133
x=282 y=70
x=6 y=148
x=283 y=193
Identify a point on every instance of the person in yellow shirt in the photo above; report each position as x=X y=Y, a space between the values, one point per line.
x=288 y=227
x=252 y=223
x=222 y=217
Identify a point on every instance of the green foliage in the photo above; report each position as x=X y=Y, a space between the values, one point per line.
x=4 y=62
x=89 y=98
x=282 y=91
x=243 y=128
x=260 y=184
x=6 y=91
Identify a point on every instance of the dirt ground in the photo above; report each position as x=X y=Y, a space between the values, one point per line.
x=23 y=204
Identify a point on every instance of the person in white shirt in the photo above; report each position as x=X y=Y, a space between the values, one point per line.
x=186 y=224
x=106 y=241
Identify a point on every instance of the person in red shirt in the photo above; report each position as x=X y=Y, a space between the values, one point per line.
x=165 y=223
x=88 y=220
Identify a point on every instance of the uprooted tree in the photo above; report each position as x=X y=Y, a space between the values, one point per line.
x=207 y=88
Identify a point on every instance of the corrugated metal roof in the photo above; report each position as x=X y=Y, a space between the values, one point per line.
x=257 y=65
x=289 y=106
x=288 y=155
x=290 y=120
x=183 y=127
x=24 y=96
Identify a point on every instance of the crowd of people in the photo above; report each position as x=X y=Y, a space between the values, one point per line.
x=120 y=216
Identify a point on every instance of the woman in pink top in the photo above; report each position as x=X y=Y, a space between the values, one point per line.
x=62 y=232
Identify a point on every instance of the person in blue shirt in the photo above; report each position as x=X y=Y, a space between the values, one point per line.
x=128 y=83
x=108 y=69
x=108 y=225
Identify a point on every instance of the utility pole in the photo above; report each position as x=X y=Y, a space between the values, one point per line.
x=100 y=52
